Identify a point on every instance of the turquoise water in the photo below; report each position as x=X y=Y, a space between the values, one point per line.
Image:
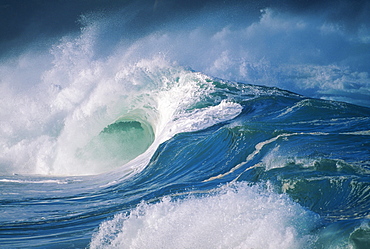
x=243 y=166
x=116 y=139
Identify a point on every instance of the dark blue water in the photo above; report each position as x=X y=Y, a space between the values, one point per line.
x=165 y=125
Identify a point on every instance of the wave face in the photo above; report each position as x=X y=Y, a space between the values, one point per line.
x=161 y=125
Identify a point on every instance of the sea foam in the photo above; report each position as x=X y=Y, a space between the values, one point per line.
x=236 y=216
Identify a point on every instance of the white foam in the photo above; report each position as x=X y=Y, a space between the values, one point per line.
x=174 y=118
x=149 y=91
x=257 y=150
x=48 y=129
x=361 y=133
x=237 y=216
x=54 y=102
x=34 y=181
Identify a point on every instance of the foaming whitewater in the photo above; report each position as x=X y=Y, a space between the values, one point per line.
x=173 y=125
x=105 y=119
x=236 y=216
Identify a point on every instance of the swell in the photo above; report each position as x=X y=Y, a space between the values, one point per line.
x=316 y=163
x=238 y=133
x=106 y=126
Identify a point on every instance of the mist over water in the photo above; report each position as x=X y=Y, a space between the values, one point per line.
x=163 y=123
x=318 y=50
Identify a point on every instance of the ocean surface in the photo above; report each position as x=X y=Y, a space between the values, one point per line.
x=184 y=124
